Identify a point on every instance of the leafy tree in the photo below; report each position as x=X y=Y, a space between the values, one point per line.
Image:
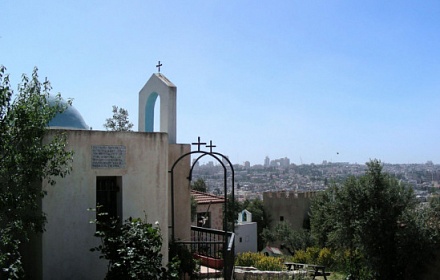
x=418 y=240
x=375 y=218
x=260 y=216
x=193 y=209
x=132 y=249
x=288 y=238
x=199 y=185
x=119 y=121
x=26 y=159
x=233 y=207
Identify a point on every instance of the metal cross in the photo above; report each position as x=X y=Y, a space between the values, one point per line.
x=210 y=146
x=158 y=65
x=198 y=144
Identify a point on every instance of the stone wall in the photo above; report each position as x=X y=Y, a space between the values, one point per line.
x=251 y=273
x=288 y=206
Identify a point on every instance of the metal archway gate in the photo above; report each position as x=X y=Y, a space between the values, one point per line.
x=214 y=248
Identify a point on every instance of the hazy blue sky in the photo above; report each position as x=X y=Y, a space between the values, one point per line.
x=302 y=79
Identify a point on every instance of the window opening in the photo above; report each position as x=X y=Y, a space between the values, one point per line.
x=108 y=198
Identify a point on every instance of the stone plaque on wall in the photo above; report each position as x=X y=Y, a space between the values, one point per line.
x=108 y=156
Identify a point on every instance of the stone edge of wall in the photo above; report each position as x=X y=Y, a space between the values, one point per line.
x=248 y=273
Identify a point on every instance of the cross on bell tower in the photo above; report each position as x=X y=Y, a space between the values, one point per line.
x=158 y=86
x=158 y=66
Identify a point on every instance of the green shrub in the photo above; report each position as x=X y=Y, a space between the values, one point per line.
x=259 y=261
x=312 y=254
x=325 y=257
x=181 y=257
x=132 y=249
x=315 y=255
x=247 y=259
x=269 y=263
x=300 y=256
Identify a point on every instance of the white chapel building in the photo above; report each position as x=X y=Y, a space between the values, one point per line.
x=126 y=172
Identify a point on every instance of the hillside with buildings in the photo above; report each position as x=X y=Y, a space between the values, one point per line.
x=280 y=175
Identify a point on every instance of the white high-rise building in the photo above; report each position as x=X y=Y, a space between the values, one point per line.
x=267 y=162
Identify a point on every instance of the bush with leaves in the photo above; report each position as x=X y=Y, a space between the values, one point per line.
x=247 y=258
x=314 y=255
x=199 y=185
x=27 y=157
x=300 y=256
x=260 y=261
x=378 y=221
x=233 y=207
x=119 y=121
x=270 y=264
x=288 y=238
x=132 y=249
x=186 y=263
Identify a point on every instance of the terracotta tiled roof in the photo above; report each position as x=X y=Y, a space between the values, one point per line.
x=205 y=198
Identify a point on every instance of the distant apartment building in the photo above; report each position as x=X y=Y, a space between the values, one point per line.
x=247 y=164
x=282 y=162
x=267 y=162
x=285 y=162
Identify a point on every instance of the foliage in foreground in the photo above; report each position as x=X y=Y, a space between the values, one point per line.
x=25 y=161
x=133 y=250
x=187 y=264
x=314 y=255
x=259 y=261
x=377 y=225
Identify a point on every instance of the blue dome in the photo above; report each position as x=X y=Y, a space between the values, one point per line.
x=70 y=118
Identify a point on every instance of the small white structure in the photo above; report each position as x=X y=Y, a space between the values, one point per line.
x=272 y=251
x=245 y=233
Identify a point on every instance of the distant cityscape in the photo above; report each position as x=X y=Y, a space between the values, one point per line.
x=280 y=175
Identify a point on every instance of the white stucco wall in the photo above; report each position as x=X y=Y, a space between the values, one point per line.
x=246 y=237
x=182 y=191
x=69 y=235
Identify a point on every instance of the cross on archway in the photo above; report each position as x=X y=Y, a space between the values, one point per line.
x=158 y=66
x=198 y=144
x=210 y=146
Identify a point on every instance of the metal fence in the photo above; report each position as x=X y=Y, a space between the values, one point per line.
x=214 y=251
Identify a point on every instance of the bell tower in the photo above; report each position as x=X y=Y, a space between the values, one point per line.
x=158 y=86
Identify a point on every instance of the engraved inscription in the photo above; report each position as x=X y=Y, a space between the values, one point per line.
x=112 y=156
